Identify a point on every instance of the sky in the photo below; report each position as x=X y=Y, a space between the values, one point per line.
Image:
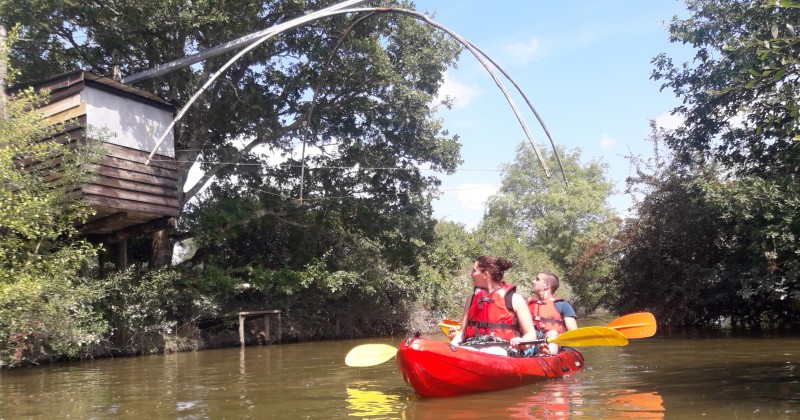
x=585 y=65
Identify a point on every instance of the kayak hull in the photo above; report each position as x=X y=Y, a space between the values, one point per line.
x=437 y=369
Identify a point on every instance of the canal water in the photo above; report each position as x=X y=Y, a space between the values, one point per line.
x=689 y=376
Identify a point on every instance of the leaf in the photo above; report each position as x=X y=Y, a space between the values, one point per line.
x=774 y=30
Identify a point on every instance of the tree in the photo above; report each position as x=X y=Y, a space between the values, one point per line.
x=701 y=251
x=46 y=309
x=667 y=255
x=357 y=95
x=740 y=102
x=546 y=224
x=740 y=97
x=444 y=280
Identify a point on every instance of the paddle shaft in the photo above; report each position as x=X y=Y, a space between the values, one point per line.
x=638 y=325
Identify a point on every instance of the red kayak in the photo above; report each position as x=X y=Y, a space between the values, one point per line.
x=438 y=369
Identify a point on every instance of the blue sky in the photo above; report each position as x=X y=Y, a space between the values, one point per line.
x=585 y=65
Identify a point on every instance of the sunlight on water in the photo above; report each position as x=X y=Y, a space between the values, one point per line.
x=683 y=376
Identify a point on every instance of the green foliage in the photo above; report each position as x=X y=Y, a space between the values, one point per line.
x=667 y=254
x=762 y=215
x=544 y=226
x=147 y=308
x=727 y=230
x=357 y=95
x=46 y=309
x=444 y=283
x=702 y=252
x=740 y=93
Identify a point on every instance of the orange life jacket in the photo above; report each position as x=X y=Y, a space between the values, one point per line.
x=492 y=314
x=545 y=315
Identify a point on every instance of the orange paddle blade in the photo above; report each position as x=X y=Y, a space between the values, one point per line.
x=447 y=324
x=638 y=325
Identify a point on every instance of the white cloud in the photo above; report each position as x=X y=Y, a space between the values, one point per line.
x=523 y=52
x=607 y=142
x=668 y=121
x=462 y=93
x=473 y=196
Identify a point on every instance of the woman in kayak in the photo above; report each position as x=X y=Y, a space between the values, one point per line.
x=495 y=309
x=551 y=315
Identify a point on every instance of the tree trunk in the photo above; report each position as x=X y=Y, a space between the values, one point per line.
x=122 y=255
x=161 y=250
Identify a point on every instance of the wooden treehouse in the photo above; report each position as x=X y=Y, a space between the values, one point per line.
x=130 y=198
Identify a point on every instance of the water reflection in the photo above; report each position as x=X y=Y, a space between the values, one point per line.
x=636 y=405
x=555 y=400
x=374 y=404
x=680 y=377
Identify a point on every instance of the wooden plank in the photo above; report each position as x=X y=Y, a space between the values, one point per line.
x=140 y=156
x=251 y=313
x=75 y=123
x=155 y=225
x=74 y=134
x=61 y=106
x=129 y=195
x=132 y=218
x=109 y=171
x=65 y=92
x=125 y=184
x=128 y=205
x=130 y=166
x=104 y=223
x=67 y=115
x=61 y=82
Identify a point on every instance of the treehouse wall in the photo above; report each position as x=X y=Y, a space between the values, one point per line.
x=130 y=123
x=130 y=198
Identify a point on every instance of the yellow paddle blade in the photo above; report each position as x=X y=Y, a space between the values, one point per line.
x=638 y=325
x=590 y=336
x=369 y=355
x=447 y=324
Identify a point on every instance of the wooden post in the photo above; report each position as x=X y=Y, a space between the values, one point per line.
x=101 y=263
x=242 y=318
x=122 y=255
x=266 y=315
x=279 y=327
x=266 y=328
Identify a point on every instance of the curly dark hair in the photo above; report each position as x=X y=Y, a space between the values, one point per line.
x=494 y=265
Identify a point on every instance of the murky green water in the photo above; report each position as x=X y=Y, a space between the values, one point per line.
x=682 y=377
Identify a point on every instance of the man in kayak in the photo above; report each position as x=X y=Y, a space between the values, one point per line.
x=551 y=315
x=495 y=309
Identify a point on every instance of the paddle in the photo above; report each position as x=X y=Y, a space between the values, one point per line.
x=375 y=354
x=369 y=355
x=638 y=325
x=586 y=336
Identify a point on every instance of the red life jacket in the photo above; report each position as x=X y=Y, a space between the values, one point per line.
x=545 y=315
x=492 y=314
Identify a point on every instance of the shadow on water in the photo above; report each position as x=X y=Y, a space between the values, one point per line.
x=719 y=375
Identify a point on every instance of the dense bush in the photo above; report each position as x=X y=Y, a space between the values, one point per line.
x=46 y=308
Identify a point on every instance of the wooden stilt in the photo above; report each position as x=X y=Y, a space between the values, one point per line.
x=266 y=316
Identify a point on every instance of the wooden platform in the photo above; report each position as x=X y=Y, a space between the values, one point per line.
x=266 y=315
